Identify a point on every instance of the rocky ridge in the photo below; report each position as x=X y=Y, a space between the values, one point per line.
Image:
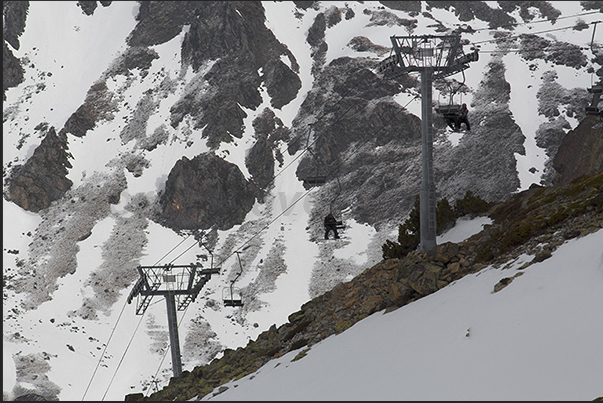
x=533 y=222
x=43 y=178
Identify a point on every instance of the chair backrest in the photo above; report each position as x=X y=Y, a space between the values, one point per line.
x=448 y=110
x=315 y=180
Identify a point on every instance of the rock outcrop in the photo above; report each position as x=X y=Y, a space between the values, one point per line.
x=204 y=192
x=43 y=178
x=247 y=55
x=260 y=160
x=581 y=151
x=14 y=16
x=98 y=105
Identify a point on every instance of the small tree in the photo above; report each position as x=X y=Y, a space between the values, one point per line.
x=408 y=235
x=445 y=216
x=470 y=205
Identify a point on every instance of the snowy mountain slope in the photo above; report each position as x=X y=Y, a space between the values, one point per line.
x=72 y=265
x=464 y=342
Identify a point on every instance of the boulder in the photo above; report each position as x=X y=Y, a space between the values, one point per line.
x=43 y=178
x=580 y=153
x=204 y=192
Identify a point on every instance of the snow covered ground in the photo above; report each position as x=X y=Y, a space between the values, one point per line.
x=539 y=338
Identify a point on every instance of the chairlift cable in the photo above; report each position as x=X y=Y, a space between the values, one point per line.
x=292 y=204
x=104 y=350
x=530 y=33
x=186 y=250
x=295 y=202
x=171 y=250
x=249 y=240
x=308 y=191
x=123 y=308
x=301 y=197
x=122 y=359
x=324 y=114
x=534 y=22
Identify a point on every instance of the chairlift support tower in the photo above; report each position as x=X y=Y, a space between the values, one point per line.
x=435 y=57
x=180 y=285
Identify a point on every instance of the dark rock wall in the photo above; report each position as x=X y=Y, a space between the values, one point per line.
x=581 y=151
x=270 y=132
x=205 y=192
x=14 y=16
x=43 y=178
x=234 y=34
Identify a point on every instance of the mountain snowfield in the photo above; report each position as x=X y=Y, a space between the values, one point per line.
x=536 y=339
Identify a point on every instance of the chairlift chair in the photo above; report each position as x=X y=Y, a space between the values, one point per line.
x=340 y=224
x=452 y=110
x=231 y=295
x=317 y=179
x=593 y=109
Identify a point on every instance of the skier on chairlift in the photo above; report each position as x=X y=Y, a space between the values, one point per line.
x=331 y=225
x=462 y=118
x=451 y=122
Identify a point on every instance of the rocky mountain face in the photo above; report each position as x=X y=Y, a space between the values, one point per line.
x=204 y=191
x=43 y=178
x=580 y=152
x=535 y=221
x=343 y=121
x=355 y=107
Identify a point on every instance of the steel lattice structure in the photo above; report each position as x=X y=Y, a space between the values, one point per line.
x=434 y=57
x=180 y=285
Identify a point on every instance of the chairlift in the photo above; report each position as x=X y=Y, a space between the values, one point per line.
x=340 y=224
x=317 y=179
x=593 y=108
x=232 y=295
x=450 y=112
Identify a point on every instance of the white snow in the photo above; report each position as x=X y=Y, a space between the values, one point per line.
x=524 y=104
x=539 y=338
x=463 y=229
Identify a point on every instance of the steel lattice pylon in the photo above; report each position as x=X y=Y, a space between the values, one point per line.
x=180 y=285
x=434 y=57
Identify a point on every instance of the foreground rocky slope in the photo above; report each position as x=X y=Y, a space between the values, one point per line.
x=535 y=222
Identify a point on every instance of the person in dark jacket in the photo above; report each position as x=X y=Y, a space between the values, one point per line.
x=463 y=118
x=451 y=122
x=331 y=225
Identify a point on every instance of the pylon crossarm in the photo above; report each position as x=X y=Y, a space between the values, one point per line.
x=442 y=54
x=135 y=290
x=191 y=278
